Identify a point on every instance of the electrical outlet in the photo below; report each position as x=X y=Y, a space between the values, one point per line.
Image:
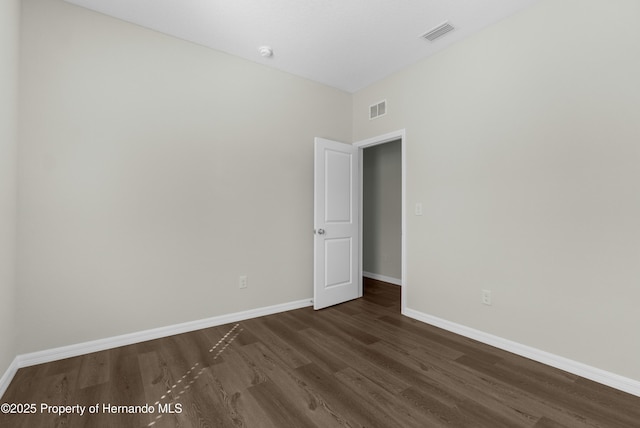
x=243 y=281
x=418 y=210
x=486 y=297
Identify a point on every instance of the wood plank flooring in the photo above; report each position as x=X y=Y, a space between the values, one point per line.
x=359 y=364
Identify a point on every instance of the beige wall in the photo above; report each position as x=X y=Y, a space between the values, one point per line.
x=9 y=36
x=523 y=146
x=382 y=210
x=154 y=172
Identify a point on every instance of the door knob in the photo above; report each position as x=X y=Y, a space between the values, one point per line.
x=320 y=231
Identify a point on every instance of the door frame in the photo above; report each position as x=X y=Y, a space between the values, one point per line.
x=370 y=142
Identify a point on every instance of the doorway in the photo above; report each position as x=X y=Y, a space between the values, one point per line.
x=382 y=212
x=382 y=221
x=337 y=262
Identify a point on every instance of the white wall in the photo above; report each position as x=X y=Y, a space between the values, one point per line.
x=382 y=210
x=523 y=146
x=9 y=36
x=153 y=172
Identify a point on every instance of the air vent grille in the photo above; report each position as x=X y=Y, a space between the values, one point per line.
x=438 y=31
x=378 y=109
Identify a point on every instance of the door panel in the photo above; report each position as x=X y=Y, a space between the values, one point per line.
x=338 y=262
x=337 y=169
x=336 y=259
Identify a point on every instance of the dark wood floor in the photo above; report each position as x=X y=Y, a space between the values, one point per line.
x=359 y=364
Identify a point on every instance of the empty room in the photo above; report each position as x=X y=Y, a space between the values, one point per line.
x=281 y=213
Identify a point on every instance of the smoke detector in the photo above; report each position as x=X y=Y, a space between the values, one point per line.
x=265 y=51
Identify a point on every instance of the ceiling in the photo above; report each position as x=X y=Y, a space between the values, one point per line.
x=347 y=44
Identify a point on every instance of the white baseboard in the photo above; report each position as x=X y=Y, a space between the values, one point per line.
x=49 y=355
x=7 y=377
x=388 y=279
x=604 y=377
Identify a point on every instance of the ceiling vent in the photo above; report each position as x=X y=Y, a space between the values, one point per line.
x=438 y=32
x=378 y=109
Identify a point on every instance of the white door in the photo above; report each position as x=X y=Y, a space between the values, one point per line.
x=336 y=235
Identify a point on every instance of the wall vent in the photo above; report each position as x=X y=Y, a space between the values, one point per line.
x=438 y=32
x=378 y=109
